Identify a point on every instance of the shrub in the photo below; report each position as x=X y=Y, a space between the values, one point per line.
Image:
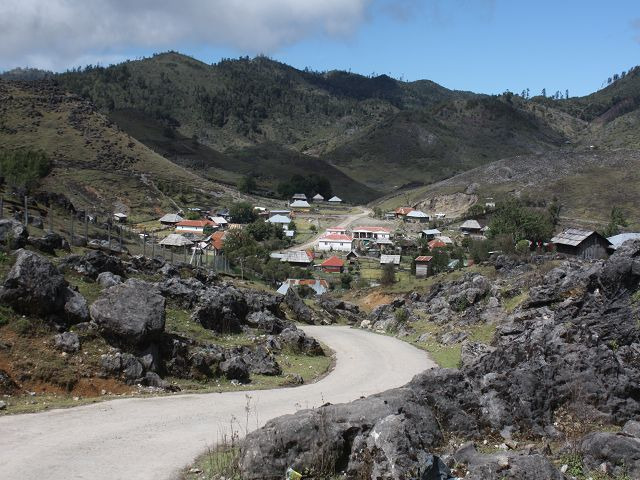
x=522 y=247
x=388 y=276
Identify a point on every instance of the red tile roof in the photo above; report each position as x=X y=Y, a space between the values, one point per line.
x=403 y=210
x=337 y=237
x=424 y=258
x=333 y=262
x=217 y=240
x=195 y=223
x=436 y=244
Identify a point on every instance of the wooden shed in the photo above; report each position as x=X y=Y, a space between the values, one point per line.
x=423 y=266
x=586 y=244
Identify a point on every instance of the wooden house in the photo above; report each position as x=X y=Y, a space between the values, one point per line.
x=585 y=244
x=333 y=265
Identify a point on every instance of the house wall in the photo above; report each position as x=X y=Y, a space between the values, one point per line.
x=592 y=248
x=422 y=270
x=335 y=246
x=182 y=228
x=332 y=269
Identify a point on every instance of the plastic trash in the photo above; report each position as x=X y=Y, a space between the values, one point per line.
x=292 y=474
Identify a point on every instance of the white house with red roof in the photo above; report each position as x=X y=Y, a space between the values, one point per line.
x=337 y=230
x=194 y=226
x=373 y=233
x=336 y=242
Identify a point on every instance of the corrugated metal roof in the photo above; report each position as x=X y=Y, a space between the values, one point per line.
x=319 y=286
x=395 y=259
x=300 y=204
x=417 y=214
x=175 y=240
x=619 y=239
x=572 y=237
x=471 y=224
x=372 y=229
x=171 y=218
x=424 y=258
x=335 y=199
x=432 y=231
x=279 y=219
x=299 y=256
x=333 y=262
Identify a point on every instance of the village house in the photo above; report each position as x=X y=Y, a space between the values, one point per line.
x=300 y=258
x=446 y=240
x=390 y=259
x=221 y=213
x=430 y=234
x=402 y=211
x=333 y=265
x=221 y=222
x=175 y=240
x=337 y=230
x=284 y=222
x=436 y=243
x=299 y=196
x=335 y=200
x=319 y=286
x=335 y=242
x=617 y=240
x=416 y=216
x=471 y=227
x=374 y=233
x=318 y=198
x=353 y=257
x=120 y=217
x=170 y=219
x=286 y=213
x=300 y=206
x=423 y=266
x=195 y=226
x=585 y=244
x=216 y=242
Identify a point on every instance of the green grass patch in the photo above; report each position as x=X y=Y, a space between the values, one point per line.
x=510 y=304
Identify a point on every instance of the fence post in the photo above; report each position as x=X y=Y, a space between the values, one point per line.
x=73 y=218
x=144 y=242
x=109 y=235
x=26 y=211
x=120 y=238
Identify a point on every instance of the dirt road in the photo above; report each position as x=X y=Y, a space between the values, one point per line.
x=346 y=222
x=153 y=438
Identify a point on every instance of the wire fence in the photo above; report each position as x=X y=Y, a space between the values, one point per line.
x=105 y=233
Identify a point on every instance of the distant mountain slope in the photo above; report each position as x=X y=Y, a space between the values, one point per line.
x=95 y=164
x=364 y=126
x=586 y=183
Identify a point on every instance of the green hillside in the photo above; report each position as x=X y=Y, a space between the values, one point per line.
x=95 y=164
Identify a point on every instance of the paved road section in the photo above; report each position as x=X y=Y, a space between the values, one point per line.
x=154 y=438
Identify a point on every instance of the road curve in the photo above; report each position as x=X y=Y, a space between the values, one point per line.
x=153 y=438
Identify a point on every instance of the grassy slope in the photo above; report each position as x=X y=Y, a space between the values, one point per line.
x=587 y=183
x=96 y=164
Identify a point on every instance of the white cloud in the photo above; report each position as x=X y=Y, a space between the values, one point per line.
x=63 y=33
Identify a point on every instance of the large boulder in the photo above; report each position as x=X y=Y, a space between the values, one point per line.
x=49 y=243
x=222 y=309
x=93 y=263
x=267 y=322
x=34 y=286
x=299 y=342
x=13 y=234
x=130 y=314
x=262 y=362
x=183 y=291
x=619 y=452
x=108 y=279
x=382 y=436
x=299 y=310
x=235 y=368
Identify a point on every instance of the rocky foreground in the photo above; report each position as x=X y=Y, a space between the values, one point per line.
x=556 y=394
x=128 y=317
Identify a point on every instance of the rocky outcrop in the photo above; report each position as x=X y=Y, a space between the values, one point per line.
x=67 y=342
x=297 y=341
x=299 y=310
x=34 y=286
x=222 y=309
x=130 y=314
x=93 y=263
x=49 y=243
x=574 y=345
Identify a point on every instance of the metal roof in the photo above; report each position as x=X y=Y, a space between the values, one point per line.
x=319 y=286
x=395 y=259
x=572 y=237
x=317 y=196
x=432 y=231
x=171 y=218
x=299 y=256
x=300 y=204
x=175 y=240
x=423 y=258
x=279 y=219
x=471 y=225
x=335 y=199
x=417 y=214
x=619 y=239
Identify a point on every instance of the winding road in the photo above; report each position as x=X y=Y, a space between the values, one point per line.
x=154 y=438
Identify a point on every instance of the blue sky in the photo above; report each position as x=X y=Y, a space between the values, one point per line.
x=486 y=46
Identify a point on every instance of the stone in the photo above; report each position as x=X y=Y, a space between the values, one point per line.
x=632 y=428
x=93 y=263
x=49 y=243
x=3 y=405
x=622 y=452
x=222 y=309
x=7 y=385
x=261 y=362
x=129 y=314
x=299 y=310
x=108 y=279
x=297 y=341
x=13 y=234
x=67 y=342
x=235 y=368
x=267 y=322
x=76 y=308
